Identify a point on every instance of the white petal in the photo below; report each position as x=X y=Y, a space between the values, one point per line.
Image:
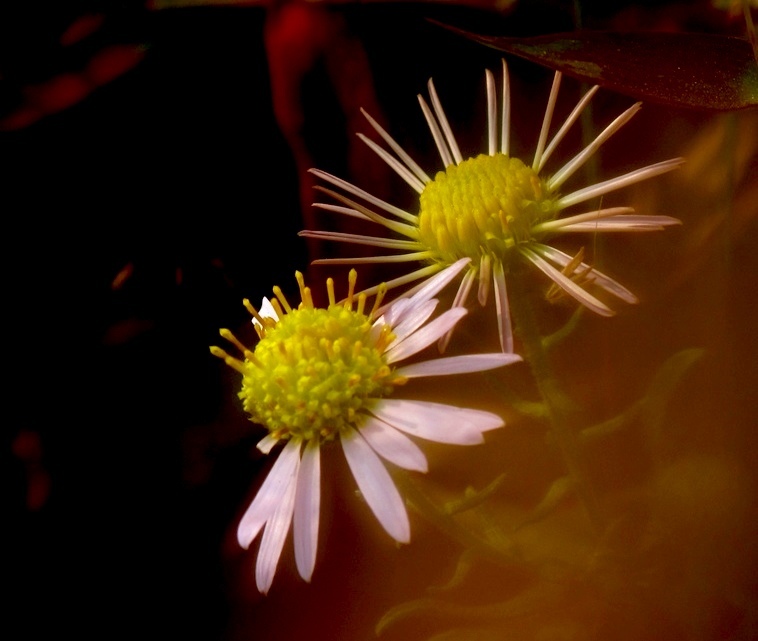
x=567 y=125
x=400 y=169
x=458 y=365
x=413 y=320
x=393 y=312
x=425 y=336
x=357 y=191
x=505 y=126
x=575 y=163
x=402 y=154
x=275 y=533
x=410 y=231
x=547 y=119
x=598 y=278
x=360 y=260
x=338 y=209
x=423 y=291
x=307 y=504
x=266 y=311
x=623 y=224
x=437 y=282
x=491 y=113
x=503 y=310
x=613 y=184
x=266 y=444
x=593 y=216
x=392 y=445
x=396 y=282
x=358 y=239
x=442 y=118
x=435 y=421
x=434 y=128
x=376 y=486
x=565 y=283
x=461 y=296
x=485 y=270
x=269 y=495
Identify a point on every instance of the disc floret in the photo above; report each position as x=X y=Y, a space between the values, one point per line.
x=314 y=370
x=486 y=204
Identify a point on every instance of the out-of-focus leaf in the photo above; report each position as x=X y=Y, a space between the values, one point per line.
x=652 y=406
x=700 y=71
x=474 y=498
x=543 y=596
x=559 y=490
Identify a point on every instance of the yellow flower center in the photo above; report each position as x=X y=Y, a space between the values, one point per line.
x=314 y=371
x=485 y=205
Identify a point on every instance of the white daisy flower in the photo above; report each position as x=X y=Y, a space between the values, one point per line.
x=493 y=209
x=319 y=375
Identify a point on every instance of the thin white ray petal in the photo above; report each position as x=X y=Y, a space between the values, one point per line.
x=568 y=285
x=435 y=284
x=267 y=443
x=400 y=169
x=567 y=125
x=424 y=272
x=412 y=321
x=358 y=239
x=549 y=109
x=457 y=365
x=442 y=118
x=503 y=310
x=307 y=506
x=575 y=163
x=347 y=211
x=434 y=128
x=359 y=260
x=559 y=223
x=275 y=533
x=505 y=125
x=464 y=290
x=393 y=312
x=485 y=272
x=409 y=231
x=360 y=193
x=613 y=184
x=491 y=113
x=404 y=156
x=269 y=495
x=425 y=336
x=376 y=486
x=461 y=296
x=598 y=278
x=436 y=421
x=392 y=445
x=622 y=224
x=425 y=290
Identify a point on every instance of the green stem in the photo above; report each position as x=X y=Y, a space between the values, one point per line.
x=553 y=397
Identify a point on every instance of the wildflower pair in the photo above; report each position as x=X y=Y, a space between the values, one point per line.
x=322 y=375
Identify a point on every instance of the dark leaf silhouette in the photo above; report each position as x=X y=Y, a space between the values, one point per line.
x=700 y=71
